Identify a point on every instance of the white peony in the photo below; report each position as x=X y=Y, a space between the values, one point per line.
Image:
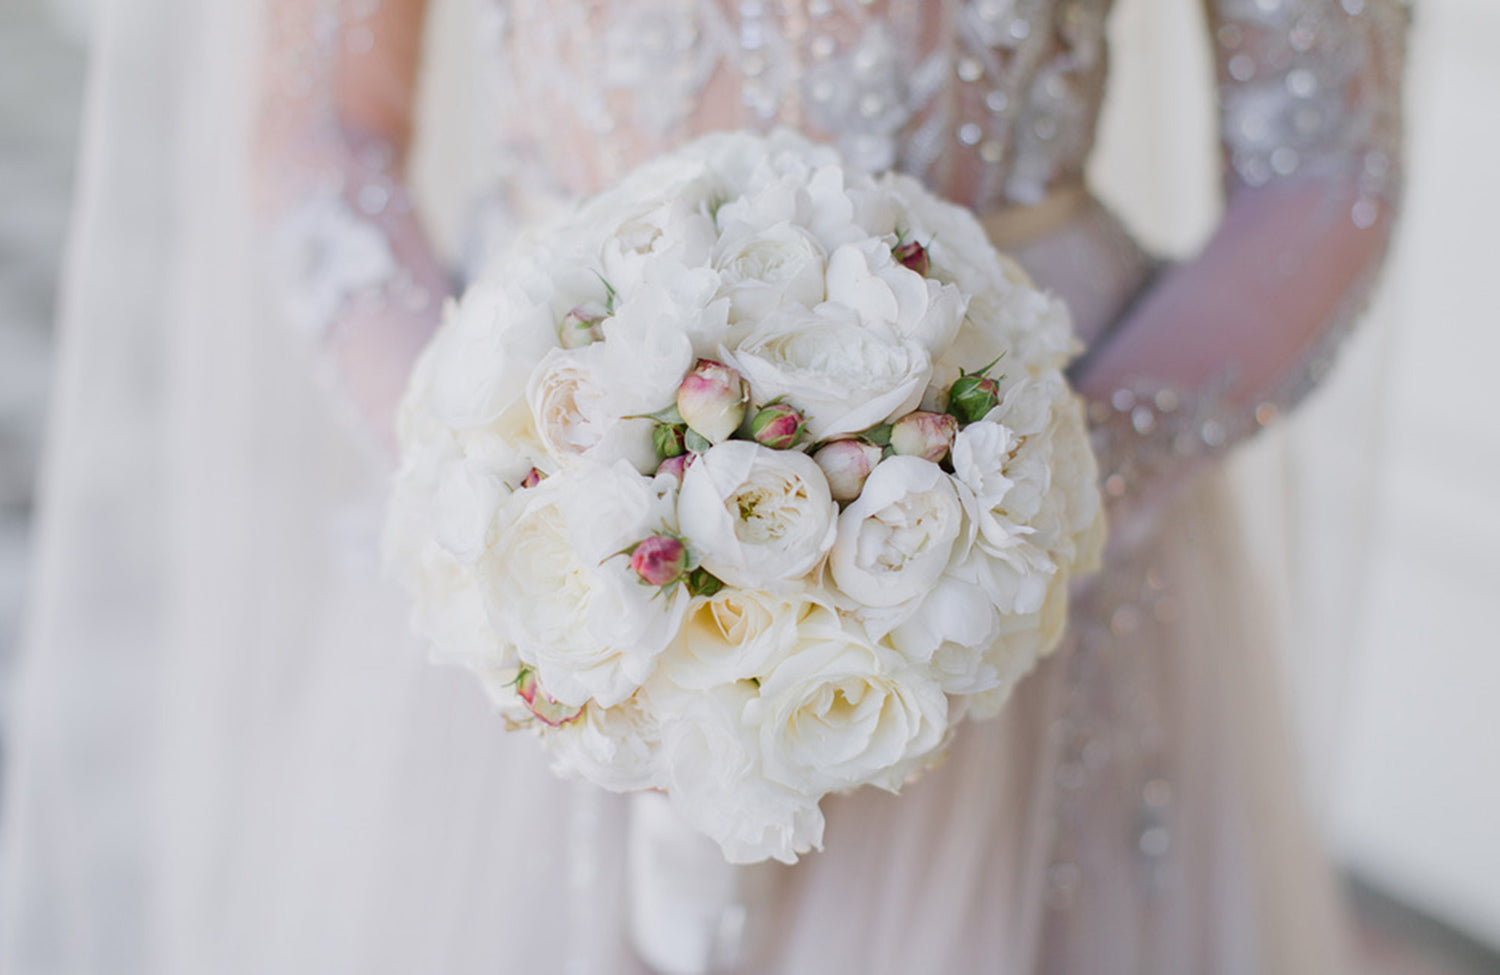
x=840 y=711
x=756 y=518
x=844 y=374
x=896 y=538
x=556 y=591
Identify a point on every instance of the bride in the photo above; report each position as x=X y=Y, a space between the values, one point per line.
x=228 y=754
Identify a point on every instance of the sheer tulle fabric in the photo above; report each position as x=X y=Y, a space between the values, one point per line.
x=231 y=758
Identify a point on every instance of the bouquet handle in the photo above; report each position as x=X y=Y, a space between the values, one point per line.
x=686 y=910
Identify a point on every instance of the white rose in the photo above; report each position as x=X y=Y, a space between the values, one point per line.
x=555 y=591
x=866 y=277
x=1023 y=640
x=761 y=269
x=756 y=517
x=731 y=635
x=839 y=711
x=896 y=538
x=950 y=631
x=487 y=345
x=844 y=375
x=592 y=402
x=614 y=748
x=715 y=781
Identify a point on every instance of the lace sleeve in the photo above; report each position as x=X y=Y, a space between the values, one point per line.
x=348 y=260
x=1310 y=114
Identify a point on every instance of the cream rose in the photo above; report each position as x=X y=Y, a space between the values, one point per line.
x=755 y=517
x=896 y=538
x=839 y=711
x=555 y=589
x=843 y=374
x=731 y=635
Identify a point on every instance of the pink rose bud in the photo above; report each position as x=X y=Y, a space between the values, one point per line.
x=532 y=479
x=675 y=466
x=846 y=464
x=712 y=399
x=659 y=560
x=925 y=435
x=580 y=326
x=777 y=426
x=547 y=710
x=911 y=255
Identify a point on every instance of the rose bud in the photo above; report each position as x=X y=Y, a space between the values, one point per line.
x=777 y=426
x=669 y=440
x=675 y=466
x=846 y=464
x=659 y=560
x=580 y=326
x=971 y=397
x=911 y=255
x=712 y=399
x=925 y=435
x=547 y=710
x=532 y=479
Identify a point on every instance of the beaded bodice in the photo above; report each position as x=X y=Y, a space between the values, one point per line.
x=989 y=101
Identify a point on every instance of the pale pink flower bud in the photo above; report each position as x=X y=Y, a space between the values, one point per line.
x=712 y=399
x=675 y=466
x=580 y=326
x=659 y=560
x=925 y=435
x=777 y=426
x=547 y=710
x=846 y=464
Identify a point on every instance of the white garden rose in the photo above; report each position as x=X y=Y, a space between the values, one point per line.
x=866 y=278
x=764 y=268
x=711 y=766
x=896 y=538
x=592 y=402
x=615 y=748
x=482 y=355
x=757 y=518
x=732 y=635
x=844 y=374
x=556 y=590
x=840 y=711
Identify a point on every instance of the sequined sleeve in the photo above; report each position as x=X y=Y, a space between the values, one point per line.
x=1310 y=100
x=346 y=256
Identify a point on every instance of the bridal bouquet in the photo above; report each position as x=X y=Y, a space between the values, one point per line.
x=747 y=481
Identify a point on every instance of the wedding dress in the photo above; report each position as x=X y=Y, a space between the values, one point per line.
x=231 y=756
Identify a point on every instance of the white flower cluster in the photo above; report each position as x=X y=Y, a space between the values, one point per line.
x=747 y=481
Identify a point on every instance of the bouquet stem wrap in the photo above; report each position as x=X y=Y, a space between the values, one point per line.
x=687 y=910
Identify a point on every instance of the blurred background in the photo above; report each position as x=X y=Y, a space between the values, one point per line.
x=1406 y=771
